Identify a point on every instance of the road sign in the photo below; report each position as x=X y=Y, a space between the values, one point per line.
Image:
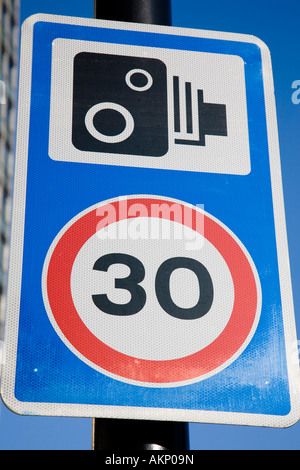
x=149 y=274
x=107 y=323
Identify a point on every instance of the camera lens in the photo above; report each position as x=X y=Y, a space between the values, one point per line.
x=110 y=137
x=139 y=80
x=109 y=122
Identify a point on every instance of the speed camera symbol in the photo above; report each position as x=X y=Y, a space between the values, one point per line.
x=120 y=105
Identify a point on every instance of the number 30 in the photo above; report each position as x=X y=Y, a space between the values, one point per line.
x=162 y=286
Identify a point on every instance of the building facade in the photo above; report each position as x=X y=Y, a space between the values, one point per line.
x=9 y=45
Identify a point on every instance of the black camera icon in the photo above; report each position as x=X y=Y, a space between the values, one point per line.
x=120 y=105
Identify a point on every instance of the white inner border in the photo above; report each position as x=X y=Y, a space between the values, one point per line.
x=228 y=87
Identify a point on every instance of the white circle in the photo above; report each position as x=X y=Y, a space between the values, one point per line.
x=109 y=139
x=152 y=333
x=139 y=88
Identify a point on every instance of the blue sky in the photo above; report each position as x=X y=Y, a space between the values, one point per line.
x=277 y=24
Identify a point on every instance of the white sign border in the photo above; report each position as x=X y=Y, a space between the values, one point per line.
x=17 y=238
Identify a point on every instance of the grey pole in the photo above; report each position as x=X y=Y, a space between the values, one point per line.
x=121 y=434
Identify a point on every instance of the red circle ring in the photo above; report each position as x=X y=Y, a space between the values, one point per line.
x=209 y=360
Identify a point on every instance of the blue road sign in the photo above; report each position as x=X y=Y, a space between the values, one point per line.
x=149 y=273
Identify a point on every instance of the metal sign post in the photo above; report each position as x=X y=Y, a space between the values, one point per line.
x=109 y=434
x=138 y=11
